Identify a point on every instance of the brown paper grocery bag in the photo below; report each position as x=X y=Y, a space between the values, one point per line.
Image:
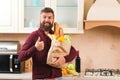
x=58 y=48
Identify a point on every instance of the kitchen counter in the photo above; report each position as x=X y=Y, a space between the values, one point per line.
x=82 y=77
x=15 y=76
x=28 y=76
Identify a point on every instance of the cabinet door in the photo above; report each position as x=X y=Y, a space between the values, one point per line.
x=69 y=14
x=8 y=16
x=29 y=18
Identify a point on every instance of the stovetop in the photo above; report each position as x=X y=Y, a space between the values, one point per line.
x=102 y=72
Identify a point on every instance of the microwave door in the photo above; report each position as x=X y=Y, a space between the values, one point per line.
x=4 y=63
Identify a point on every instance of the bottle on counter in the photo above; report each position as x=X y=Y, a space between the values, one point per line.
x=78 y=63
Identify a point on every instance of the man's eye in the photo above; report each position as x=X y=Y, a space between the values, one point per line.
x=44 y=17
x=50 y=17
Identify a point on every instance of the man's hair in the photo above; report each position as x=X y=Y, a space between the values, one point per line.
x=47 y=10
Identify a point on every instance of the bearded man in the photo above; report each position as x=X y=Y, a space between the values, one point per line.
x=37 y=46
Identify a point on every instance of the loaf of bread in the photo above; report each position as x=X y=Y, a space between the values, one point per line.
x=58 y=31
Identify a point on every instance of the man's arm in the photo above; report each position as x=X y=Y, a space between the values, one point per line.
x=28 y=49
x=72 y=55
x=63 y=59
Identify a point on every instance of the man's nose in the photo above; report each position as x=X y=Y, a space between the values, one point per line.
x=46 y=19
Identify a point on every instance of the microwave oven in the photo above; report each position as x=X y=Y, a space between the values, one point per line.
x=9 y=63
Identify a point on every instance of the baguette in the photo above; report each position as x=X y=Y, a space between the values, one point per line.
x=61 y=32
x=56 y=29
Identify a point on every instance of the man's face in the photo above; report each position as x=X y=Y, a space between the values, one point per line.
x=46 y=21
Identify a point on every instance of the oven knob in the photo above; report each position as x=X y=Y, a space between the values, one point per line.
x=16 y=66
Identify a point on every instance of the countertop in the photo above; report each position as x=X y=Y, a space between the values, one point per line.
x=28 y=76
x=15 y=76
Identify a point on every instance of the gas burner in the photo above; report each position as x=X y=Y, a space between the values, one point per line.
x=102 y=72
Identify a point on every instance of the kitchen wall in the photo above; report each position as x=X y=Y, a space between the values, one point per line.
x=99 y=47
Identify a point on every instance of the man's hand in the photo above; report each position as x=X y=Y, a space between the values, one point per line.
x=39 y=44
x=60 y=60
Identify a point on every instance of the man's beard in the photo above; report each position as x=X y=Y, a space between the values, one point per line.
x=46 y=27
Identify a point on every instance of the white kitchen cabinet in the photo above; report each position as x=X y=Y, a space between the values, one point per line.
x=68 y=13
x=29 y=14
x=8 y=16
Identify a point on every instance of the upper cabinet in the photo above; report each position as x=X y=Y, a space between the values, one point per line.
x=8 y=16
x=29 y=15
x=68 y=13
